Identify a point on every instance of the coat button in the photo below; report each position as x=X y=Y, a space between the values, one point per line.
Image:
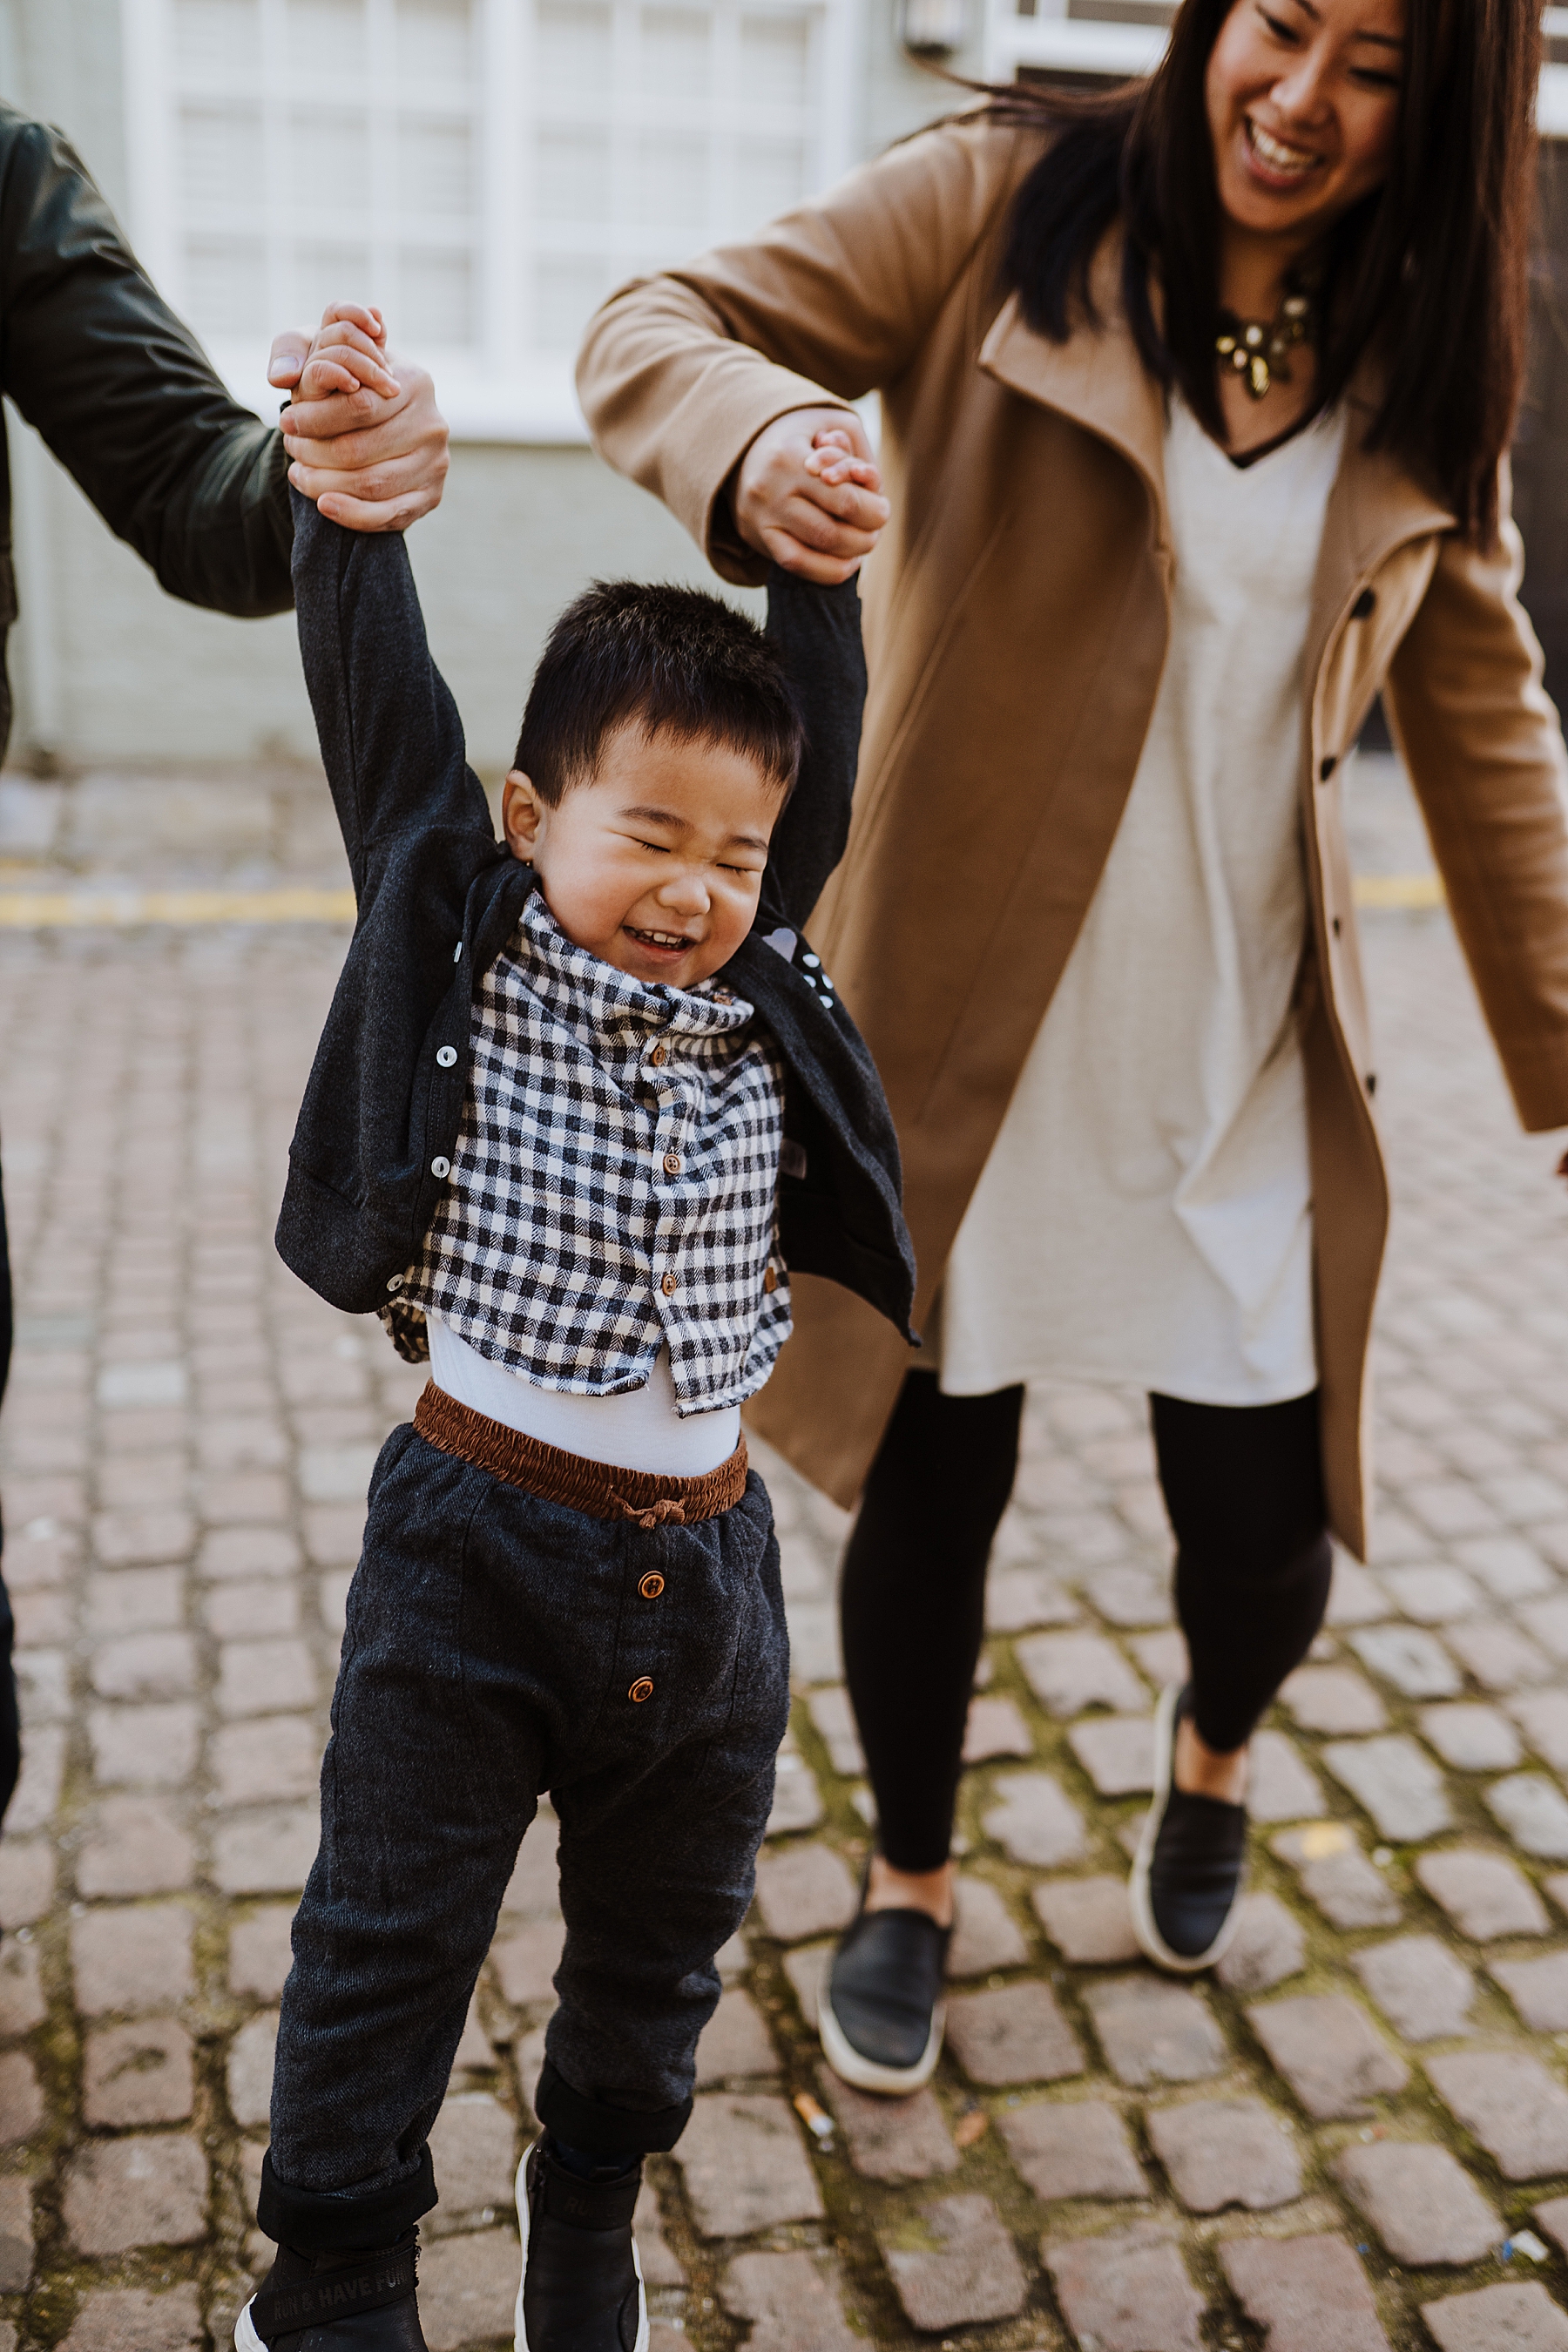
x=445 y=1057
x=642 y=1688
x=1334 y=925
x=1361 y=610
x=659 y=1055
x=1327 y=769
x=672 y=1163
x=667 y=1285
x=652 y=1585
x=440 y=1166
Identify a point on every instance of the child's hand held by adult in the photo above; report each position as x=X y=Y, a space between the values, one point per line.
x=808 y=493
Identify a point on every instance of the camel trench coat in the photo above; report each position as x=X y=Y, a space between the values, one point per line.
x=1017 y=613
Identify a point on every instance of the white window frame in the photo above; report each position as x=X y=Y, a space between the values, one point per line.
x=497 y=391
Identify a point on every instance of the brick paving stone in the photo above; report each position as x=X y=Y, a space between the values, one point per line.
x=1017 y=1599
x=467 y=2287
x=230 y=1612
x=1328 y=2052
x=806 y=1968
x=1130 y=1596
x=891 y=2139
x=1154 y=2031
x=1507 y=2101
x=250 y=1551
x=1534 y=1812
x=797 y=1800
x=971 y=2273
x=129 y=2319
x=792 y=2301
x=1070 y=1671
x=137 y=2074
x=1221 y=2152
x=1542 y=1717
x=1538 y=1990
x=995 y=1727
x=124 y=1539
x=1500 y=1656
x=661 y=2266
x=1279 y=1787
x=1088 y=1919
x=135 y=1847
x=804 y=1890
x=135 y=1601
x=1553 y=2217
x=250 y=2069
x=1421 y=2202
x=735 y=2040
x=834 y=1716
x=272 y=1756
x=1072 y=2149
x=1434 y=1595
x=1394 y=1782
x=265 y=1677
x=145 y=1666
x=1268 y=1947
x=1309 y=2295
x=1014 y=2034
x=1548 y=1621
x=143 y=1746
x=525 y=1963
x=1332 y=1699
x=1509 y=1566
x=1337 y=1877
x=1116 y=1752
x=1471 y=1739
x=1035 y=1823
x=814 y=1655
x=16 y=2234
x=1415 y=1662
x=1499 y=2319
x=1355 y=1597
x=26 y=1882
x=266 y=1852
x=985 y=1936
x=473 y=2144
x=1128 y=2291
x=21 y=2100
x=1485 y=1894
x=1422 y=1990
x=744 y=2166
x=22 y=2002
x=146 y=2191
x=260 y=1954
x=1162 y=1657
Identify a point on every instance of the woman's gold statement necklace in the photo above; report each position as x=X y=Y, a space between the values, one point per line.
x=1258 y=350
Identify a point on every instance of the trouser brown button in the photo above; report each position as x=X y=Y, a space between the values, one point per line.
x=642 y=1688
x=652 y=1585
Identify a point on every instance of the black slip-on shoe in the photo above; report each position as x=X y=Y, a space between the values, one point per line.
x=336 y=2303
x=879 y=2013
x=581 y=2289
x=1190 y=1871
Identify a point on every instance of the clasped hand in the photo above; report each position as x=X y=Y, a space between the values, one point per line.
x=364 y=437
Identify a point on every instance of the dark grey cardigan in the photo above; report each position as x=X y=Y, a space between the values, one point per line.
x=438 y=898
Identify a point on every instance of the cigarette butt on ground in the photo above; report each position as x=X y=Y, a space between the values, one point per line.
x=816 y=2119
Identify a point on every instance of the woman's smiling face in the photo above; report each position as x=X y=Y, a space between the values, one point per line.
x=1303 y=105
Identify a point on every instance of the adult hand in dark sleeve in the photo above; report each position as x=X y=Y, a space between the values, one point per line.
x=372 y=451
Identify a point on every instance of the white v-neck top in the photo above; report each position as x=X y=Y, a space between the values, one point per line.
x=1146 y=1215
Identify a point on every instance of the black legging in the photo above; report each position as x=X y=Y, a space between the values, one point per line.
x=1244 y=1486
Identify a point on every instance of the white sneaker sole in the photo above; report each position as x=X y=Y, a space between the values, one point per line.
x=864 y=2074
x=245 y=2338
x=519 y=2333
x=1150 y=1941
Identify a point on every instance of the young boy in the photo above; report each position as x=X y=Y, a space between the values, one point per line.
x=578 y=1101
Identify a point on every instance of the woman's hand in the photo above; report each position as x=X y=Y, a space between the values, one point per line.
x=807 y=492
x=366 y=437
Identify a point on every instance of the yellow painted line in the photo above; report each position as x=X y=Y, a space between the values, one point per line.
x=1398 y=890
x=52 y=910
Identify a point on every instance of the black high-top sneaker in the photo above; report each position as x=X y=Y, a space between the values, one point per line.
x=336 y=2303
x=582 y=2287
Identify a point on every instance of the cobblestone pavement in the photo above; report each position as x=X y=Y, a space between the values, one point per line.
x=1357 y=2136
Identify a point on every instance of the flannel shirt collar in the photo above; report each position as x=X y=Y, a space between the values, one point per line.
x=615 y=1008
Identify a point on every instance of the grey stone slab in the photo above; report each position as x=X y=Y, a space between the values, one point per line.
x=1015 y=2034
x=985 y=1936
x=1500 y=1656
x=1221 y=2152
x=1070 y=1671
x=1268 y=1946
x=472 y=2143
x=1327 y=2050
x=1033 y=1822
x=129 y=2319
x=1116 y=1752
x=1534 y=1812
x=1066 y=2149
x=891 y=2139
x=1355 y=1597
x=1332 y=1699
x=1485 y=1894
x=1509 y=1566
x=834 y=1717
x=814 y=1655
x=1421 y=2201
x=744 y=2166
x=1126 y=2292
x=1553 y=2217
x=1279 y=1786
x=735 y=2041
x=797 y=1800
x=1309 y=2295
x=1542 y=1717
x=1089 y=1920
x=468 y=2286
x=1019 y=1597
x=1471 y=1739
x=1130 y=1596
x=1422 y=1990
x=1507 y=2101
x=1394 y=1782
x=804 y=1890
x=995 y=1727
x=1414 y=1661
x=1522 y=2318
x=1548 y=1621
x=1162 y=1657
x=1434 y=1595
x=969 y=2272
x=1154 y=2031
x=806 y=1968
x=1538 y=1990
x=1337 y=1877
x=793 y=2301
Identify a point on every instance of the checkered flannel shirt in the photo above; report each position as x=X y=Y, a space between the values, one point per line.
x=614 y=1183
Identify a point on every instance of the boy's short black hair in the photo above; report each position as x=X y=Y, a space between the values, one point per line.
x=676 y=660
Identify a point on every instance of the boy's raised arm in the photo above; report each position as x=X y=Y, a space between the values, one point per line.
x=817 y=632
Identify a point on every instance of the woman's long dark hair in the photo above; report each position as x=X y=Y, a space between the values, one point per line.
x=1428 y=274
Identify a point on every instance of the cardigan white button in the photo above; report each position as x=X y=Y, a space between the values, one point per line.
x=394 y=1282
x=439 y=1166
x=445 y=1057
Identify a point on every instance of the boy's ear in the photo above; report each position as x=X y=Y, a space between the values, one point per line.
x=521 y=810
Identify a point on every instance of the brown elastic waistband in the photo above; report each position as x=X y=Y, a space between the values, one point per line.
x=597 y=1488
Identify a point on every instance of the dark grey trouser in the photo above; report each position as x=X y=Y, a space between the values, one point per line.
x=493 y=1640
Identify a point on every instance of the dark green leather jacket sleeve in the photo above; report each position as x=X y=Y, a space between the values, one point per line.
x=124 y=395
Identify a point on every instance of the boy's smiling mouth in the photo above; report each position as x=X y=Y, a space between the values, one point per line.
x=670 y=943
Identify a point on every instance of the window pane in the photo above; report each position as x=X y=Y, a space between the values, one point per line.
x=673 y=174
x=774 y=59
x=437 y=292
x=326 y=36
x=435 y=167
x=327 y=273
x=433 y=40
x=573 y=52
x=771 y=176
x=572 y=179
x=674 y=62
x=567 y=292
x=329 y=158
x=225 y=286
x=220 y=157
x=222 y=33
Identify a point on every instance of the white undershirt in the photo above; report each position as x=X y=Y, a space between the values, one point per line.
x=639 y=1430
x=1146 y=1215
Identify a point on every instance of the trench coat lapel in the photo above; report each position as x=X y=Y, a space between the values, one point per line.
x=1375 y=507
